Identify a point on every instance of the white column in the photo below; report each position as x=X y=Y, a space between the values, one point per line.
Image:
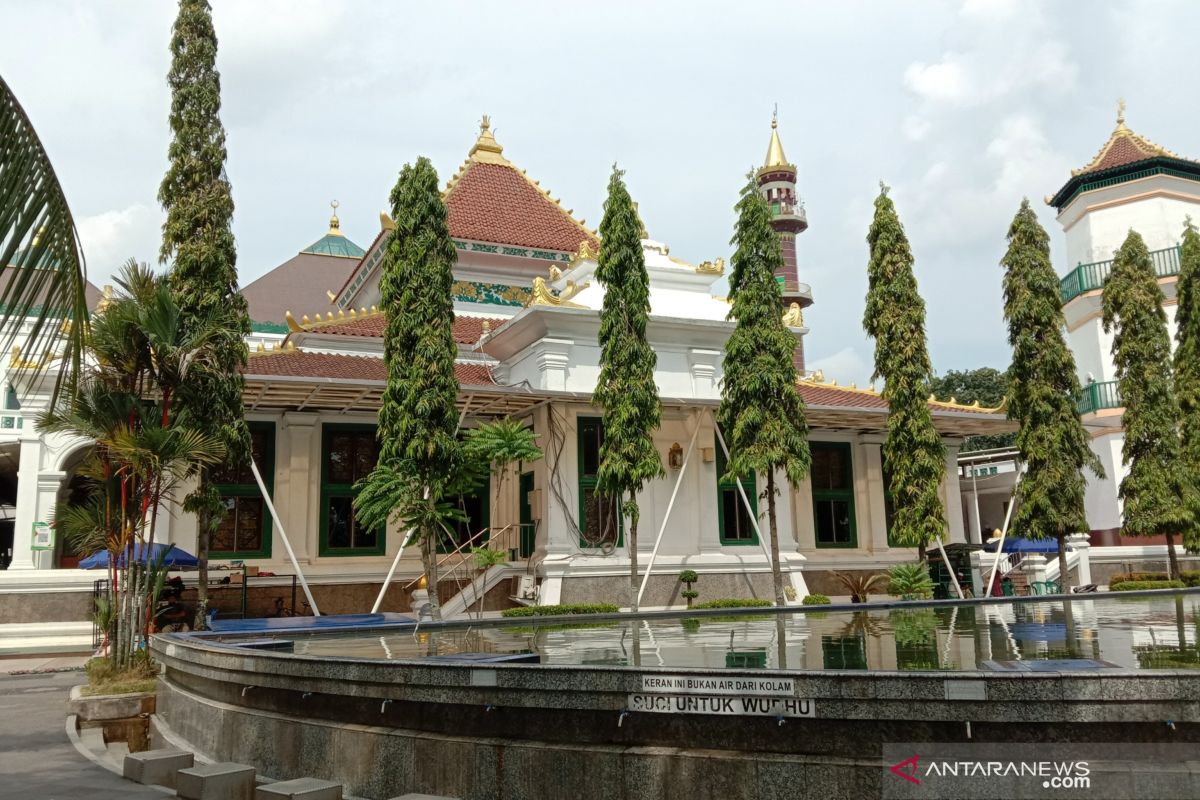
x=1082 y=546
x=553 y=362
x=49 y=489
x=702 y=364
x=303 y=473
x=952 y=493
x=873 y=529
x=27 y=498
x=1034 y=567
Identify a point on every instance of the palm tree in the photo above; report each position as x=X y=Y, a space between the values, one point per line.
x=43 y=276
x=138 y=356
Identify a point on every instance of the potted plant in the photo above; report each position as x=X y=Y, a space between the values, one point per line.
x=687 y=578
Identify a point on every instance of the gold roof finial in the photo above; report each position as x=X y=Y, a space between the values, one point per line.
x=1120 y=112
x=335 y=225
x=775 y=156
x=486 y=148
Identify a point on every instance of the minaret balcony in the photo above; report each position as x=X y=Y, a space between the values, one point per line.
x=791 y=213
x=1089 y=277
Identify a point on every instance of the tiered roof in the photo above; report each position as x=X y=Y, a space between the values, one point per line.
x=370 y=323
x=492 y=200
x=1126 y=152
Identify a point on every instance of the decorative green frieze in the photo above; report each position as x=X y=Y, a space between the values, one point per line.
x=497 y=294
x=268 y=327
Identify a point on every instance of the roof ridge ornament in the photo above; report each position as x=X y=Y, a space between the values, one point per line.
x=486 y=149
x=335 y=225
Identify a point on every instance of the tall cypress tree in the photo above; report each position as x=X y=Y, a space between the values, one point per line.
x=420 y=458
x=1042 y=390
x=1187 y=377
x=895 y=317
x=625 y=389
x=198 y=239
x=761 y=413
x=1152 y=490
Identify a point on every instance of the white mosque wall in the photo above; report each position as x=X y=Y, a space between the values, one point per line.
x=1097 y=222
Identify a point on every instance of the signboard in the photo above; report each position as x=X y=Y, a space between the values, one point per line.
x=43 y=536
x=709 y=694
x=721 y=704
x=709 y=684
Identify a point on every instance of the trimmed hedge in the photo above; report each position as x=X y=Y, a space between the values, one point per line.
x=1137 y=586
x=565 y=608
x=734 y=602
x=815 y=600
x=1190 y=577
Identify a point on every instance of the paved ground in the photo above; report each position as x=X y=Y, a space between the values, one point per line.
x=37 y=760
x=39 y=663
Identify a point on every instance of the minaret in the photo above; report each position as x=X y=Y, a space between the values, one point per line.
x=777 y=182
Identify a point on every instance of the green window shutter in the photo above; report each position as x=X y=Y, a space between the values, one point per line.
x=734 y=526
x=832 y=479
x=599 y=521
x=348 y=454
x=245 y=530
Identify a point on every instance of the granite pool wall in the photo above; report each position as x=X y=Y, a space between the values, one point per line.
x=518 y=731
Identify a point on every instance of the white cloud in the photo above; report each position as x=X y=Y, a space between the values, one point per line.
x=111 y=238
x=846 y=366
x=943 y=82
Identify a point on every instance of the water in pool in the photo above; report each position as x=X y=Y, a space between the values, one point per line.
x=1134 y=633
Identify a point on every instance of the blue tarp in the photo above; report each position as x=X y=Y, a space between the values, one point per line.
x=1015 y=544
x=174 y=557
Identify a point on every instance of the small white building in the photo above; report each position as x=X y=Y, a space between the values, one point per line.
x=1131 y=184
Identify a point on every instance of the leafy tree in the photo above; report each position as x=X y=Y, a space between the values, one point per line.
x=986 y=386
x=421 y=466
x=198 y=240
x=625 y=390
x=895 y=317
x=1043 y=388
x=761 y=412
x=1152 y=490
x=1187 y=377
x=139 y=357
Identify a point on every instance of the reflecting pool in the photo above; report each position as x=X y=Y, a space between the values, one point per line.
x=1133 y=633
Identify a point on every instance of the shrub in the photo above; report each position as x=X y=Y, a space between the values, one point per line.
x=910 y=581
x=690 y=594
x=735 y=602
x=564 y=608
x=815 y=600
x=1125 y=577
x=858 y=585
x=1190 y=577
x=688 y=576
x=1138 y=586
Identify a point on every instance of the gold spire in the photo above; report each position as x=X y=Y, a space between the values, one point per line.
x=487 y=149
x=335 y=225
x=775 y=156
x=1120 y=112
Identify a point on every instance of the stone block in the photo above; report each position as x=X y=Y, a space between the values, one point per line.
x=300 y=789
x=221 y=781
x=156 y=766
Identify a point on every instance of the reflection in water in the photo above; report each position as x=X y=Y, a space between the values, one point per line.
x=1133 y=633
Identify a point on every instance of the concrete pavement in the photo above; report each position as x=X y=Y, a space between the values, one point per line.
x=37 y=760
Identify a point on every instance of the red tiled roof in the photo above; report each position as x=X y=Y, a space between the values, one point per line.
x=297 y=363
x=467 y=330
x=496 y=203
x=828 y=396
x=1124 y=150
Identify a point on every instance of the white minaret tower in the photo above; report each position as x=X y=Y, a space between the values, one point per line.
x=1132 y=183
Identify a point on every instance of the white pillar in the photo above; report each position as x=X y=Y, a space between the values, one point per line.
x=874 y=525
x=303 y=472
x=952 y=494
x=1080 y=543
x=27 y=498
x=1034 y=567
x=703 y=364
x=554 y=362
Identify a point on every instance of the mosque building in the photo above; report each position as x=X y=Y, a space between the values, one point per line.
x=527 y=307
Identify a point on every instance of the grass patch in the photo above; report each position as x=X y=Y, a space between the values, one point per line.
x=103 y=678
x=566 y=608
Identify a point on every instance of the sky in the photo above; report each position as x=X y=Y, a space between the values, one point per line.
x=962 y=108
